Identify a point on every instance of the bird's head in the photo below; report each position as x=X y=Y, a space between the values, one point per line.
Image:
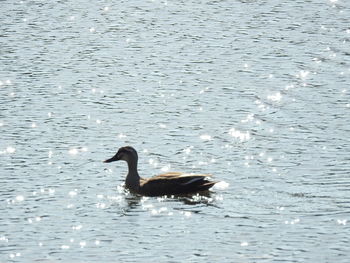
x=126 y=153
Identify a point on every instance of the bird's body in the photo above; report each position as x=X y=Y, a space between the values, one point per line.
x=172 y=183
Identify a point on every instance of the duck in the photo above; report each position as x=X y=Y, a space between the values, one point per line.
x=167 y=184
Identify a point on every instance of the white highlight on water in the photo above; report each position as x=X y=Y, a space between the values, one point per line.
x=242 y=136
x=10 y=149
x=205 y=137
x=275 y=97
x=222 y=185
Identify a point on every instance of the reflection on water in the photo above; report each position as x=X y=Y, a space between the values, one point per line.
x=254 y=93
x=129 y=202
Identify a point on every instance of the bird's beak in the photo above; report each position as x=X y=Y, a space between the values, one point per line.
x=113 y=159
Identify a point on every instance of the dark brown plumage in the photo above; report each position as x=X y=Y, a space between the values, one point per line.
x=172 y=183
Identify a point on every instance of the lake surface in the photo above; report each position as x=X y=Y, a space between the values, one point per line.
x=254 y=92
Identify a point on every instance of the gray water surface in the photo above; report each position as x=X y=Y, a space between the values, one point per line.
x=254 y=92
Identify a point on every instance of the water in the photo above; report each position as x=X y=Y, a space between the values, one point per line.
x=254 y=92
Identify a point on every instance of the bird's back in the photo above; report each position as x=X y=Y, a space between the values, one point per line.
x=174 y=183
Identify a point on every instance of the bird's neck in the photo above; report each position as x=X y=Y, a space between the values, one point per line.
x=132 y=180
